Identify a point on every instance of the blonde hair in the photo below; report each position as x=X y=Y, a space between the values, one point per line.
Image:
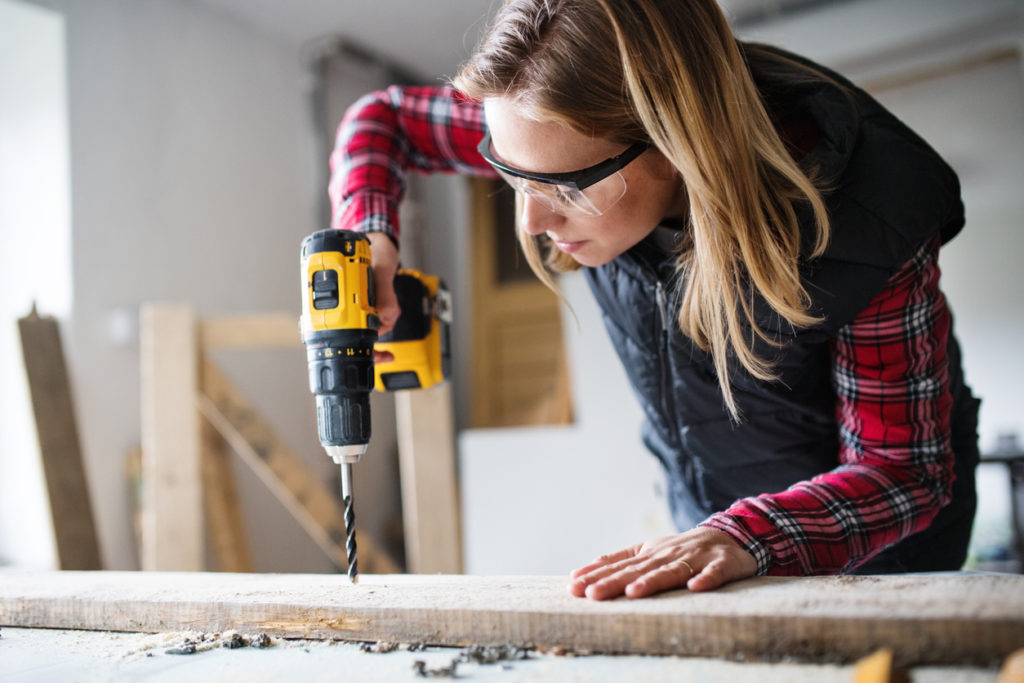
x=671 y=72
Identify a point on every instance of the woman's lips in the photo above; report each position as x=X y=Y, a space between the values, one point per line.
x=569 y=247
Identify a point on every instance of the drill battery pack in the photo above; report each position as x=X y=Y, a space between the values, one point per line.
x=421 y=338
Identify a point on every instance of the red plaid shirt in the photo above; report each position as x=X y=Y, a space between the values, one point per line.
x=889 y=364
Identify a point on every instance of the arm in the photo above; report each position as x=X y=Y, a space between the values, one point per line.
x=891 y=378
x=384 y=134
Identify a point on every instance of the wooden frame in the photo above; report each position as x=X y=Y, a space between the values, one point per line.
x=191 y=411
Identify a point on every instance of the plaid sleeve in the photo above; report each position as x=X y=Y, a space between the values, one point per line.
x=895 y=472
x=429 y=129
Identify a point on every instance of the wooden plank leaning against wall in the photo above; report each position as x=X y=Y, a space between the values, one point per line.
x=67 y=487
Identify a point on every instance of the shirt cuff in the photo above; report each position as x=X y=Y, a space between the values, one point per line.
x=368 y=212
x=732 y=526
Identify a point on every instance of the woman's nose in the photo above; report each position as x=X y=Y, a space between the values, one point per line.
x=535 y=218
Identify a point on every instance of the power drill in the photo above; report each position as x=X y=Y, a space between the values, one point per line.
x=339 y=328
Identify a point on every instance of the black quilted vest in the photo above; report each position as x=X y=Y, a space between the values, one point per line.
x=891 y=193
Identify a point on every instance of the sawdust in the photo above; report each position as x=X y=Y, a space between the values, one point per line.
x=195 y=642
x=480 y=655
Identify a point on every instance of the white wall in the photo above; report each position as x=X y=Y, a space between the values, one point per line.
x=193 y=174
x=35 y=255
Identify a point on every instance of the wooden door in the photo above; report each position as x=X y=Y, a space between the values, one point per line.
x=520 y=375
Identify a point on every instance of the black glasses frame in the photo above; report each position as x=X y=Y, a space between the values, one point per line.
x=577 y=180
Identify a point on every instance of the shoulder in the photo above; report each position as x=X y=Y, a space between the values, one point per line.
x=887 y=190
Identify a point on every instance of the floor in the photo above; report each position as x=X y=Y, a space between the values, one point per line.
x=43 y=655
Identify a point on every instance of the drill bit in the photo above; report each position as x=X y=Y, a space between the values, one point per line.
x=350 y=522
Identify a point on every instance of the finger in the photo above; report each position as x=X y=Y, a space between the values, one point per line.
x=605 y=560
x=614 y=584
x=383 y=356
x=387 y=302
x=668 y=576
x=580 y=585
x=717 y=573
x=384 y=254
x=583 y=577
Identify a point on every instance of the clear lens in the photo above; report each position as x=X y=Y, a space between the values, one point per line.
x=567 y=201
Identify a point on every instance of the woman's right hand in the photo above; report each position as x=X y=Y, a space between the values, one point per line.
x=384 y=254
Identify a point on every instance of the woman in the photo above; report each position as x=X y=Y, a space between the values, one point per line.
x=762 y=238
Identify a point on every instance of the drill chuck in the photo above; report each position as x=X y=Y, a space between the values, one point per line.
x=342 y=383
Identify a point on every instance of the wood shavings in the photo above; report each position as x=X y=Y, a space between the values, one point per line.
x=229 y=639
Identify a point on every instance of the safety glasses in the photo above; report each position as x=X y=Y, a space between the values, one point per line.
x=588 y=192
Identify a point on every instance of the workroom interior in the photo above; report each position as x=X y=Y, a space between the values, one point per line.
x=176 y=151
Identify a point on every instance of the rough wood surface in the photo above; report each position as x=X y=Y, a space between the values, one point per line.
x=923 y=619
x=59 y=446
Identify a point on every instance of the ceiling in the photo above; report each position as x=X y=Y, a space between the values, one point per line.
x=445 y=31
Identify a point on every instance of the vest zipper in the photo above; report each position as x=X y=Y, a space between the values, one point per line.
x=663 y=353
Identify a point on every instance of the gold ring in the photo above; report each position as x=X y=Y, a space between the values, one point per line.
x=692 y=573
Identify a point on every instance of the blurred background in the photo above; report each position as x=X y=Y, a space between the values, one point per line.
x=176 y=150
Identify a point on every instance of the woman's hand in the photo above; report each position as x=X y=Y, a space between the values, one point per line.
x=700 y=559
x=384 y=255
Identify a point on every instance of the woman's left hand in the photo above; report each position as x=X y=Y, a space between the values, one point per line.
x=701 y=559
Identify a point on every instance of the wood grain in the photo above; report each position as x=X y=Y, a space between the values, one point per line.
x=172 y=499
x=430 y=489
x=923 y=619
x=59 y=445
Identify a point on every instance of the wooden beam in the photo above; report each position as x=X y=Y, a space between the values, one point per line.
x=287 y=477
x=923 y=619
x=229 y=544
x=430 y=495
x=59 y=447
x=172 y=505
x=256 y=331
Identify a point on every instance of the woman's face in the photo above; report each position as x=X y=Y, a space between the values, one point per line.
x=653 y=189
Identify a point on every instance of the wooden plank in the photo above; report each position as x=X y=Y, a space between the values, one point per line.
x=229 y=544
x=59 y=446
x=255 y=331
x=430 y=496
x=287 y=477
x=923 y=619
x=172 y=505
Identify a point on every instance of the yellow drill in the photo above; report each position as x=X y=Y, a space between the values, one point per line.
x=339 y=328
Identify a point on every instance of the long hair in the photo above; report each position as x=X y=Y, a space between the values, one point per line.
x=670 y=72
